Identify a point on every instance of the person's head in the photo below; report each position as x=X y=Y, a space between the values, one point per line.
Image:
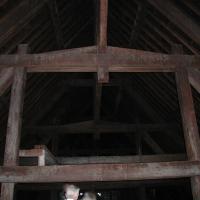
x=71 y=191
x=89 y=196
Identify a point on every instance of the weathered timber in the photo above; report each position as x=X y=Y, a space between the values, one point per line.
x=117 y=59
x=30 y=153
x=15 y=113
x=11 y=154
x=190 y=128
x=32 y=157
x=102 y=23
x=177 y=16
x=100 y=172
x=18 y=18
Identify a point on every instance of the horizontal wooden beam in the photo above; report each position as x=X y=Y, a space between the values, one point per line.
x=117 y=60
x=101 y=127
x=100 y=172
x=120 y=159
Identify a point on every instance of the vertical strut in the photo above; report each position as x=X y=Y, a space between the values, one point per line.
x=190 y=128
x=14 y=124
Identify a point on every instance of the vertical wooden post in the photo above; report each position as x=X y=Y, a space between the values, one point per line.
x=191 y=132
x=14 y=125
x=103 y=74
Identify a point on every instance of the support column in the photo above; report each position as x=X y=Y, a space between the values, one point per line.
x=190 y=128
x=101 y=37
x=14 y=125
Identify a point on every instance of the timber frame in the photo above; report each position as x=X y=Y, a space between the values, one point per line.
x=101 y=59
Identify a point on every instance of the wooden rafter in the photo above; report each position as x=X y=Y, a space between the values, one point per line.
x=139 y=20
x=18 y=18
x=53 y=9
x=102 y=26
x=176 y=16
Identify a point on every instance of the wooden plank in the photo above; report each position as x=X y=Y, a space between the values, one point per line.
x=15 y=111
x=100 y=172
x=11 y=155
x=190 y=128
x=30 y=153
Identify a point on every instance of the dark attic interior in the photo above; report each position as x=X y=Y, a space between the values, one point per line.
x=102 y=95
